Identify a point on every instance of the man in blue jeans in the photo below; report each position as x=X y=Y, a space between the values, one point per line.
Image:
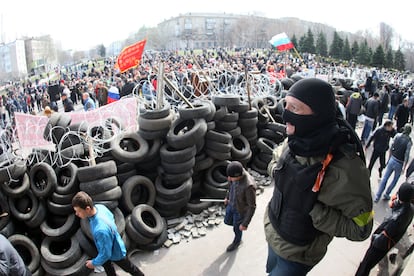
x=240 y=201
x=371 y=112
x=400 y=153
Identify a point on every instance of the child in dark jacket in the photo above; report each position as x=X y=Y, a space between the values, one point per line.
x=391 y=230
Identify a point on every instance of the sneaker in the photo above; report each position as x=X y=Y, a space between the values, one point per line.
x=386 y=197
x=376 y=200
x=233 y=246
x=380 y=173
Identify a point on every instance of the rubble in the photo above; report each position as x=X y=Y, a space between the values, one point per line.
x=195 y=226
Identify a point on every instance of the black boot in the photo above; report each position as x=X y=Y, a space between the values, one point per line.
x=233 y=246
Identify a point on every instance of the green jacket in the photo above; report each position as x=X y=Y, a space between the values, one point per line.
x=343 y=208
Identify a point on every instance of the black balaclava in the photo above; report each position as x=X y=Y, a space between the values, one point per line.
x=319 y=96
x=313 y=133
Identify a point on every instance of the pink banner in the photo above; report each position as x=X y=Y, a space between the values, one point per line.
x=30 y=128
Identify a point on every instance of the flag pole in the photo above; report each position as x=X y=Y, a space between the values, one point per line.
x=296 y=51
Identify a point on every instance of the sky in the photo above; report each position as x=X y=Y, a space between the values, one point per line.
x=83 y=24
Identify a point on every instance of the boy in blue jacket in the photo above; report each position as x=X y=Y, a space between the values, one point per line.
x=109 y=243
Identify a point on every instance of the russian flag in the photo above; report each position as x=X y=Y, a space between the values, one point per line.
x=113 y=94
x=281 y=42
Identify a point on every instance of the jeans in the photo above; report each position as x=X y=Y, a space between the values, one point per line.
x=278 y=266
x=233 y=216
x=125 y=264
x=366 y=131
x=391 y=113
x=393 y=166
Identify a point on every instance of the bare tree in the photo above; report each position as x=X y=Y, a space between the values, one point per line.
x=386 y=35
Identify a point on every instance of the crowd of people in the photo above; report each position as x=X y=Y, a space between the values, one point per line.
x=322 y=185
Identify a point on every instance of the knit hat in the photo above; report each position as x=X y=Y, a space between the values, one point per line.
x=234 y=169
x=318 y=95
x=406 y=192
x=406 y=129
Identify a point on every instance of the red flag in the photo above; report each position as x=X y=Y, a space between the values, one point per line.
x=130 y=56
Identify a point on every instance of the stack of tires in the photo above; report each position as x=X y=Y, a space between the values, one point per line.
x=263 y=155
x=177 y=162
x=248 y=124
x=155 y=123
x=137 y=190
x=202 y=109
x=100 y=183
x=67 y=185
x=145 y=228
x=60 y=251
x=28 y=251
x=216 y=183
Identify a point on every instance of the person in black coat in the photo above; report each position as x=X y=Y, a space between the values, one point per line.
x=381 y=138
x=67 y=102
x=391 y=230
x=402 y=114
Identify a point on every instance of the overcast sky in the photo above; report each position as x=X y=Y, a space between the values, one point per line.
x=82 y=24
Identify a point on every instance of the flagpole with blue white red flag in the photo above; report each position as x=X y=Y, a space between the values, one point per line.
x=283 y=43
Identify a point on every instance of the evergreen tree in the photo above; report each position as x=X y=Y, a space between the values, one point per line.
x=294 y=41
x=346 y=51
x=336 y=46
x=389 y=59
x=354 y=49
x=310 y=42
x=321 y=45
x=363 y=56
x=399 y=62
x=378 y=58
x=302 y=44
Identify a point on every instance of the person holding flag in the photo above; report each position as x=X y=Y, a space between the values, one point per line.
x=113 y=93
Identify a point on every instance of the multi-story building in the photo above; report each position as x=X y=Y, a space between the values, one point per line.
x=198 y=30
x=13 y=59
x=40 y=51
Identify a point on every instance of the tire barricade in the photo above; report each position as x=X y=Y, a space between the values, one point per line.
x=146 y=177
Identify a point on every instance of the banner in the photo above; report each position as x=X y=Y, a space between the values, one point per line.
x=130 y=56
x=281 y=42
x=30 y=128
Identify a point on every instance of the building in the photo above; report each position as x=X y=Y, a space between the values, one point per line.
x=198 y=30
x=13 y=59
x=40 y=51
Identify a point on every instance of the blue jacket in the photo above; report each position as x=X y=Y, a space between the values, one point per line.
x=89 y=104
x=109 y=243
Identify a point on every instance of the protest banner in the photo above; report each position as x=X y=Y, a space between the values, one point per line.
x=30 y=128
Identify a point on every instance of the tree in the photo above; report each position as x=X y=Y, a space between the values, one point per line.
x=389 y=59
x=346 y=51
x=309 y=42
x=386 y=34
x=363 y=56
x=101 y=50
x=399 y=62
x=378 y=58
x=336 y=46
x=294 y=40
x=321 y=45
x=354 y=49
x=302 y=43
